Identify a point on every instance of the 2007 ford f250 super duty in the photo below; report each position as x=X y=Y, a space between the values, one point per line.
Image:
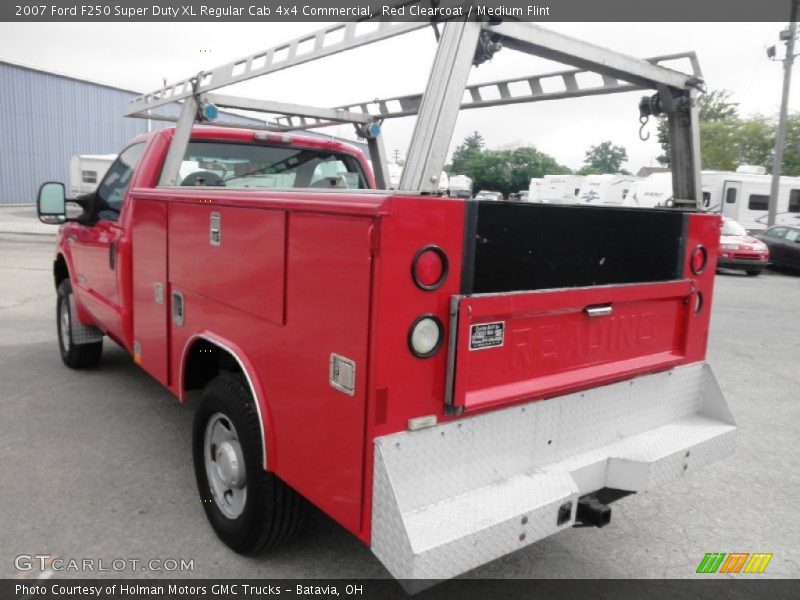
x=449 y=379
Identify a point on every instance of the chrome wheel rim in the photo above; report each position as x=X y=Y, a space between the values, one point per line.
x=225 y=468
x=65 y=324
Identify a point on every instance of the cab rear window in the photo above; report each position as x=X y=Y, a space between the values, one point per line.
x=242 y=166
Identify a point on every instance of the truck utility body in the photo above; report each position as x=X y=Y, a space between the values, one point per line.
x=448 y=379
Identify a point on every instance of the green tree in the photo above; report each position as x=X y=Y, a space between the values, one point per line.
x=713 y=107
x=604 y=158
x=728 y=140
x=791 y=153
x=509 y=170
x=756 y=141
x=718 y=144
x=471 y=146
x=716 y=106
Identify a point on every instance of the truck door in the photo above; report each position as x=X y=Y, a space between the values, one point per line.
x=731 y=199
x=94 y=245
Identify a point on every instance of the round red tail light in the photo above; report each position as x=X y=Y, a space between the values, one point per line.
x=699 y=260
x=429 y=268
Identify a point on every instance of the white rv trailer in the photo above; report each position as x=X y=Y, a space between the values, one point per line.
x=745 y=198
x=460 y=186
x=653 y=191
x=535 y=189
x=86 y=171
x=742 y=195
x=609 y=188
x=557 y=189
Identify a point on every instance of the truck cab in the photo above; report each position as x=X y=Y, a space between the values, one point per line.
x=96 y=245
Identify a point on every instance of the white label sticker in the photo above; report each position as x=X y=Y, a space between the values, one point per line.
x=486 y=335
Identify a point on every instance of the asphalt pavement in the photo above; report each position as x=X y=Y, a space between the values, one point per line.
x=97 y=464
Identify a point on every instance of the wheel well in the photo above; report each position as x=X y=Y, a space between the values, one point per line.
x=60 y=270
x=204 y=361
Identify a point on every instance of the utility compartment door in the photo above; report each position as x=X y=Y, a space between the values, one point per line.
x=149 y=241
x=529 y=345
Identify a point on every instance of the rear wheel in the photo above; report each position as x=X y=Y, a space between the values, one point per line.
x=75 y=356
x=249 y=508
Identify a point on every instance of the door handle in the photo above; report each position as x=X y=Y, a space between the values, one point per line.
x=598 y=310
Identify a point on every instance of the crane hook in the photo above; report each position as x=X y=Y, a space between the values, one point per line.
x=643 y=120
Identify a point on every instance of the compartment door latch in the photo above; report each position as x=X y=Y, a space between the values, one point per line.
x=598 y=310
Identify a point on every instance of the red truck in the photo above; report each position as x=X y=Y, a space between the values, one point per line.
x=449 y=379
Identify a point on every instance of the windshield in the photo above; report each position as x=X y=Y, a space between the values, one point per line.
x=732 y=228
x=238 y=165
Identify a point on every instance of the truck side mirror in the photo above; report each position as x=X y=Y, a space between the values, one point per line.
x=51 y=205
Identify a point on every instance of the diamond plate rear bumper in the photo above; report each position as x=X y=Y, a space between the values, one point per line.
x=452 y=497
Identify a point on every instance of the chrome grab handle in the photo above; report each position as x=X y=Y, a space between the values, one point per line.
x=598 y=310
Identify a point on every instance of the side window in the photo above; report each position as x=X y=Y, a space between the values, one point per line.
x=794 y=201
x=758 y=202
x=776 y=232
x=260 y=166
x=730 y=196
x=89 y=176
x=706 y=199
x=115 y=183
x=792 y=235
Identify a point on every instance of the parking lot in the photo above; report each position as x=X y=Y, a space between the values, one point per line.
x=97 y=464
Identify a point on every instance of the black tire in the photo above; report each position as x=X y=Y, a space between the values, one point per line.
x=75 y=356
x=754 y=272
x=272 y=510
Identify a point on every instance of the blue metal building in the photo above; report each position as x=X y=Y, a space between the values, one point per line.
x=46 y=118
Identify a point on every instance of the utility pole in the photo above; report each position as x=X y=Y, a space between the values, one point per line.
x=788 y=35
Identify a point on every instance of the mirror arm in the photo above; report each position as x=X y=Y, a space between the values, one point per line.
x=85 y=201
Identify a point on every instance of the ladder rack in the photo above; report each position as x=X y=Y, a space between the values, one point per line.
x=460 y=45
x=479 y=95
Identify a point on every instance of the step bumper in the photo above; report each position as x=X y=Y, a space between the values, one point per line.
x=455 y=496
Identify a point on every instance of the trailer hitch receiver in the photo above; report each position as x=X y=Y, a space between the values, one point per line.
x=592 y=512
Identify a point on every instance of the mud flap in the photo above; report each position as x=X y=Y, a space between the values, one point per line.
x=81 y=334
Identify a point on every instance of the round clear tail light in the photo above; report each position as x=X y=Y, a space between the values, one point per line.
x=425 y=336
x=429 y=268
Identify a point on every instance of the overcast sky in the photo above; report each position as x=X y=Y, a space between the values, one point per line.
x=139 y=56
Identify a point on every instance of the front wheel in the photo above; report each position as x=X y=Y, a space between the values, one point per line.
x=75 y=356
x=249 y=508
